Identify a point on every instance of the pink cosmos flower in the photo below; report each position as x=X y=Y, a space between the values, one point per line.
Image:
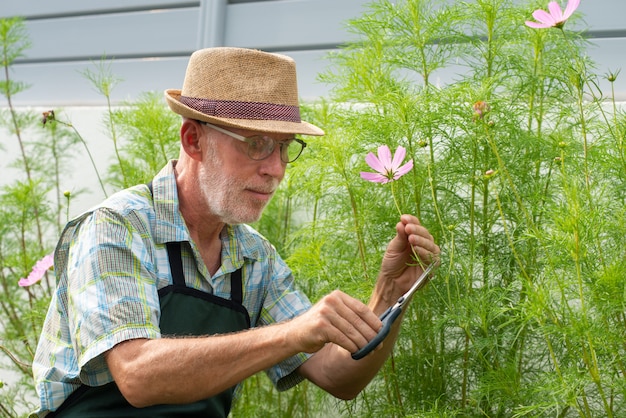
x=387 y=169
x=39 y=270
x=556 y=18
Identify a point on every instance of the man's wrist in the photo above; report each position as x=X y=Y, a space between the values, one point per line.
x=385 y=295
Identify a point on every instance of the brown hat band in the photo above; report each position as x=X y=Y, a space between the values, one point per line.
x=243 y=110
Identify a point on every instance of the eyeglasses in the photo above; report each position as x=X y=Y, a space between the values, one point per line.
x=261 y=147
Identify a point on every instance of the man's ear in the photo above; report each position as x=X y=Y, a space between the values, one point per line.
x=190 y=133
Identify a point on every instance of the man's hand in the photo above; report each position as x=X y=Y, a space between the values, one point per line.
x=411 y=248
x=337 y=318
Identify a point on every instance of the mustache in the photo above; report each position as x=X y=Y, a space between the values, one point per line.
x=268 y=188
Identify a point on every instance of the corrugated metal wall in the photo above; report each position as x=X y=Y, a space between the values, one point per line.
x=150 y=40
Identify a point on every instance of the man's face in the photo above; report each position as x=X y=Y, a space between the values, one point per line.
x=236 y=188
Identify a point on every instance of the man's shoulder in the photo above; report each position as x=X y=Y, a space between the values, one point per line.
x=128 y=204
x=141 y=197
x=133 y=199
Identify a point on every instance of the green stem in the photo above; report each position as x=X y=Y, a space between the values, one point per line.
x=485 y=228
x=24 y=367
x=396 y=387
x=433 y=187
x=464 y=382
x=93 y=163
x=395 y=200
x=616 y=132
x=114 y=138
x=357 y=230
x=6 y=411
x=18 y=134
x=68 y=197
x=509 y=237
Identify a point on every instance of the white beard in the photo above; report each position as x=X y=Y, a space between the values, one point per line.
x=225 y=197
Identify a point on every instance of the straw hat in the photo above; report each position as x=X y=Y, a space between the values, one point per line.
x=241 y=88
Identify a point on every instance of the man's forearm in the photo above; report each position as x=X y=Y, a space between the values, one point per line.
x=184 y=370
x=333 y=369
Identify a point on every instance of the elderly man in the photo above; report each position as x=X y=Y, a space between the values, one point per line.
x=158 y=283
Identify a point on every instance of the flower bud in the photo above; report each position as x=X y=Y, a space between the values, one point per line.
x=47 y=117
x=480 y=109
x=612 y=76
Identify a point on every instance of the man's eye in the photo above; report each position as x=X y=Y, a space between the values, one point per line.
x=255 y=143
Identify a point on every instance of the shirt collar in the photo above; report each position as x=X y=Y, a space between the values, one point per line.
x=170 y=225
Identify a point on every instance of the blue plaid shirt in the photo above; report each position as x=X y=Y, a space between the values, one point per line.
x=110 y=263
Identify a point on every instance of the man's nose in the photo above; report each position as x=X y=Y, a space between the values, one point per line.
x=274 y=165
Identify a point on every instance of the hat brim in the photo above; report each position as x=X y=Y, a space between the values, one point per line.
x=172 y=97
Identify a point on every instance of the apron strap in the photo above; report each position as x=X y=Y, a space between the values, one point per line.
x=176 y=263
x=178 y=276
x=236 y=286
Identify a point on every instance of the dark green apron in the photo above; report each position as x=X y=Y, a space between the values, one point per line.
x=184 y=311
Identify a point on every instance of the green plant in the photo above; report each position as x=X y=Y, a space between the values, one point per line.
x=519 y=174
